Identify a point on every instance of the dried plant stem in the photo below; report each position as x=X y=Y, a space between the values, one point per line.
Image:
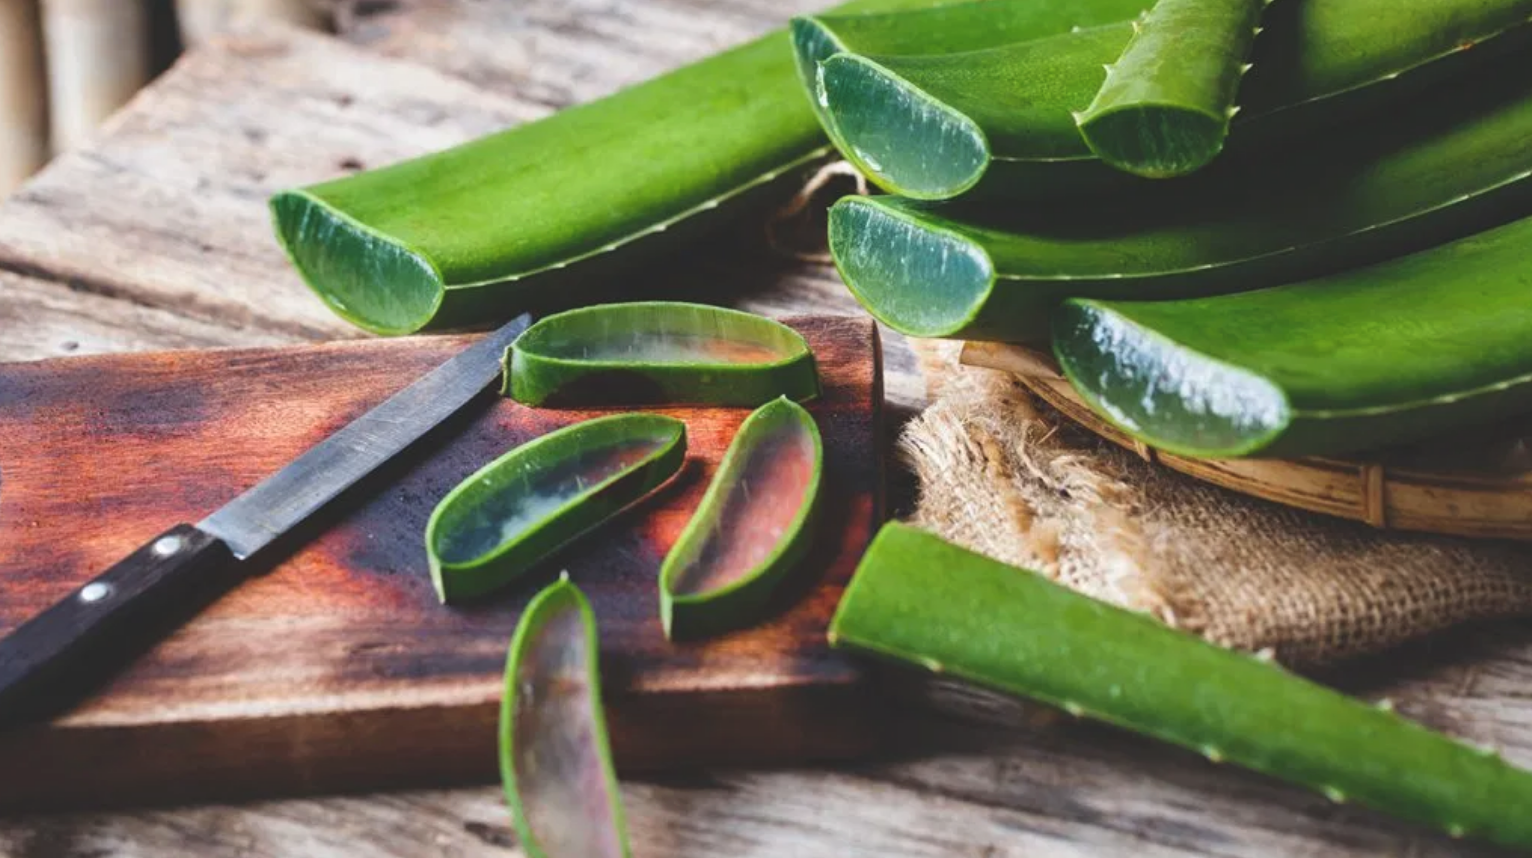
x=23 y=101
x=97 y=57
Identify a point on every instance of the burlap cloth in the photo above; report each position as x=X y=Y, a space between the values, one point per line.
x=1002 y=474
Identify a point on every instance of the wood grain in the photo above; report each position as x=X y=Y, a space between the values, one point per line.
x=307 y=676
x=1479 y=484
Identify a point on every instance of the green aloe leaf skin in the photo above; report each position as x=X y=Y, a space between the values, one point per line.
x=655 y=353
x=542 y=215
x=919 y=600
x=1165 y=106
x=752 y=528
x=945 y=28
x=1455 y=164
x=1001 y=122
x=555 y=758
x=525 y=505
x=1396 y=352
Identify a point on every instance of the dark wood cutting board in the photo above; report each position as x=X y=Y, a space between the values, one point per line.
x=337 y=668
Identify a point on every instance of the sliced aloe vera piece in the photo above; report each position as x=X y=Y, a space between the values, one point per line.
x=1457 y=163
x=1165 y=105
x=540 y=496
x=1395 y=352
x=752 y=527
x=920 y=600
x=933 y=127
x=659 y=353
x=538 y=216
x=944 y=28
x=555 y=759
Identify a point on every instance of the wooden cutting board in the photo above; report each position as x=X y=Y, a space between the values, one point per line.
x=337 y=668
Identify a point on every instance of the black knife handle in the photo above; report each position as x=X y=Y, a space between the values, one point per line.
x=38 y=658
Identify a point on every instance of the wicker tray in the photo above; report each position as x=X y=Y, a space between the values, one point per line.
x=1479 y=485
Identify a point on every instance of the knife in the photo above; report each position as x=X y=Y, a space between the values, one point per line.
x=186 y=560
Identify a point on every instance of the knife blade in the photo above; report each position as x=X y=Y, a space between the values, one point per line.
x=187 y=560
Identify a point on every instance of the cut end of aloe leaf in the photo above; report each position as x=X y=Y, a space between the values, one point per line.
x=657 y=352
x=751 y=528
x=1154 y=141
x=1161 y=392
x=555 y=757
x=534 y=499
x=813 y=43
x=367 y=279
x=907 y=141
x=917 y=279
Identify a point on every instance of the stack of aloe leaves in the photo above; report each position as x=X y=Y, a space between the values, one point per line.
x=1244 y=226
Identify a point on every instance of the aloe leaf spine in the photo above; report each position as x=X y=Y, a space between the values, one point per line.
x=1165 y=105
x=919 y=600
x=753 y=527
x=540 y=496
x=547 y=214
x=1396 y=352
x=1000 y=122
x=1455 y=165
x=657 y=352
x=555 y=757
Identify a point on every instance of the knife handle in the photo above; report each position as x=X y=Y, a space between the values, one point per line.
x=113 y=609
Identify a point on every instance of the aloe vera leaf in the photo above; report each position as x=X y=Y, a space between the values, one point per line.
x=555 y=758
x=751 y=529
x=1165 y=105
x=659 y=353
x=533 y=500
x=920 y=600
x=1001 y=121
x=942 y=29
x=1395 y=352
x=1456 y=163
x=538 y=216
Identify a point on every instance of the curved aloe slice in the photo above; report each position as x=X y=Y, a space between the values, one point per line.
x=1458 y=162
x=555 y=759
x=1165 y=106
x=533 y=500
x=942 y=29
x=1369 y=357
x=931 y=127
x=751 y=529
x=537 y=216
x=920 y=600
x=659 y=353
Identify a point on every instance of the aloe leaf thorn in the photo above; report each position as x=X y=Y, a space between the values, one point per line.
x=922 y=601
x=1165 y=105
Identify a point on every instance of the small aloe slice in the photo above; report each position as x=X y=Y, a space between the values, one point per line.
x=752 y=527
x=1396 y=352
x=555 y=759
x=920 y=600
x=1165 y=106
x=1000 y=121
x=659 y=353
x=533 y=500
x=1457 y=163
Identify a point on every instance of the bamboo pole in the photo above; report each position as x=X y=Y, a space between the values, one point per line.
x=98 y=57
x=23 y=94
x=200 y=19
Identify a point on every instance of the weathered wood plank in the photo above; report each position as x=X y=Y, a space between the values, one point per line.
x=42 y=319
x=168 y=209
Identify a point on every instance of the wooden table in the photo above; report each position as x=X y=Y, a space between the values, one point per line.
x=156 y=237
